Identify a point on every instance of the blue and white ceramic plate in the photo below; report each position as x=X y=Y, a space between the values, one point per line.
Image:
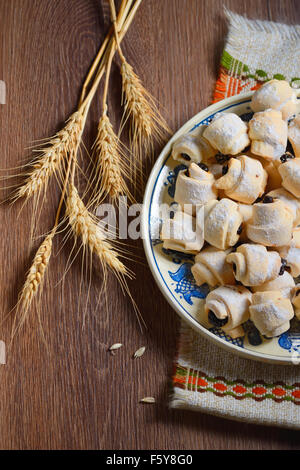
x=172 y=272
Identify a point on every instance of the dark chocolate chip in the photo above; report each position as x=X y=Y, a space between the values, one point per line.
x=254 y=337
x=216 y=321
x=203 y=166
x=281 y=271
x=221 y=158
x=240 y=229
x=248 y=326
x=225 y=169
x=235 y=247
x=259 y=199
x=268 y=200
x=246 y=116
x=289 y=148
x=286 y=156
x=186 y=157
x=282 y=267
x=298 y=292
x=172 y=213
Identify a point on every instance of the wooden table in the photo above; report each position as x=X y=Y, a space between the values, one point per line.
x=78 y=396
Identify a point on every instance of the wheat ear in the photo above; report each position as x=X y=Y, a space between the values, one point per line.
x=111 y=165
x=86 y=228
x=34 y=281
x=147 y=124
x=51 y=158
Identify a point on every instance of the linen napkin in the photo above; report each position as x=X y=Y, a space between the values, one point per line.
x=207 y=378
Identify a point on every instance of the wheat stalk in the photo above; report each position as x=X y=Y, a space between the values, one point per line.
x=85 y=227
x=52 y=157
x=122 y=15
x=34 y=281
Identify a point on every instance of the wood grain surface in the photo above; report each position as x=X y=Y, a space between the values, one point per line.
x=77 y=395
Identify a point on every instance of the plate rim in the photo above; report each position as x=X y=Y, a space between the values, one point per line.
x=148 y=248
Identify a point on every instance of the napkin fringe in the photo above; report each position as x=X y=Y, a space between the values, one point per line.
x=184 y=400
x=239 y=25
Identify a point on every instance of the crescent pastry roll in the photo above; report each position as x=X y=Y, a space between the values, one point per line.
x=289 y=200
x=268 y=134
x=254 y=265
x=182 y=233
x=296 y=300
x=294 y=135
x=210 y=267
x=191 y=148
x=284 y=284
x=227 y=133
x=222 y=223
x=194 y=187
x=271 y=313
x=291 y=253
x=290 y=174
x=228 y=307
x=275 y=94
x=244 y=181
x=271 y=224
